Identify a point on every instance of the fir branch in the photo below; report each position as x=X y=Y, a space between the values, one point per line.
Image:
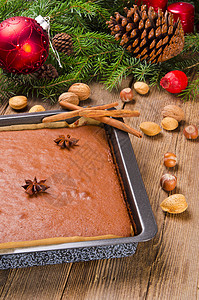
x=116 y=71
x=192 y=90
x=125 y=66
x=144 y=70
x=180 y=62
x=191 y=43
x=96 y=53
x=154 y=80
x=9 y=8
x=6 y=87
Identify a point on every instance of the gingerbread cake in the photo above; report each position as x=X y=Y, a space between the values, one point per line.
x=84 y=200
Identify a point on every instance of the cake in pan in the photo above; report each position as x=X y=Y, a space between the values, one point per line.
x=84 y=200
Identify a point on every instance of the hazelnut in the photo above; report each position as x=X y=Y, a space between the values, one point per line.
x=170 y=159
x=141 y=87
x=82 y=90
x=168 y=182
x=126 y=95
x=18 y=102
x=191 y=132
x=169 y=123
x=173 y=111
x=36 y=108
x=69 y=97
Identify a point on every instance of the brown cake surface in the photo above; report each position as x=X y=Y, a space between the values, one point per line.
x=84 y=199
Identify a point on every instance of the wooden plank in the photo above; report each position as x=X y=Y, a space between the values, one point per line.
x=46 y=282
x=3 y=107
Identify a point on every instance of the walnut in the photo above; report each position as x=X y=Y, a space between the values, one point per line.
x=82 y=90
x=173 y=111
x=69 y=97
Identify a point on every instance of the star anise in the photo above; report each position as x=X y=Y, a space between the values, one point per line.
x=66 y=142
x=34 y=187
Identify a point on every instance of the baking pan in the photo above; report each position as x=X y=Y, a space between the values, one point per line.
x=136 y=199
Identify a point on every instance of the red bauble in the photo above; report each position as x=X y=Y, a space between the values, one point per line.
x=174 y=81
x=24 y=45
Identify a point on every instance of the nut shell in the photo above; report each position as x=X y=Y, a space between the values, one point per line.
x=126 y=95
x=18 y=102
x=174 y=204
x=168 y=182
x=69 y=97
x=173 y=111
x=170 y=160
x=141 y=87
x=82 y=90
x=190 y=132
x=169 y=123
x=36 y=108
x=150 y=128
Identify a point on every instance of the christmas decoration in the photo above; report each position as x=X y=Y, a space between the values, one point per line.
x=162 y=4
x=47 y=71
x=174 y=81
x=148 y=35
x=185 y=12
x=96 y=54
x=63 y=43
x=24 y=45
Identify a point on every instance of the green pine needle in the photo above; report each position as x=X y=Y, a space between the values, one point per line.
x=192 y=90
x=96 y=54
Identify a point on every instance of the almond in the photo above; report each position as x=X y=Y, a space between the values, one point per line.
x=18 y=102
x=173 y=111
x=36 y=108
x=150 y=128
x=141 y=87
x=174 y=204
x=169 y=123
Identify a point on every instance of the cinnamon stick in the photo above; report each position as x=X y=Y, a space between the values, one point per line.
x=119 y=125
x=61 y=116
x=112 y=122
x=91 y=113
x=75 y=113
x=109 y=113
x=71 y=106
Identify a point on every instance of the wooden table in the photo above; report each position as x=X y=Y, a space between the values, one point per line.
x=165 y=267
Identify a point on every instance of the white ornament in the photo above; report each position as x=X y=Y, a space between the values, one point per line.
x=44 y=22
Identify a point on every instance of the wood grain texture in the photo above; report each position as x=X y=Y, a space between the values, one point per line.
x=166 y=267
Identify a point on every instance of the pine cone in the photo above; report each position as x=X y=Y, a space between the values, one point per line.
x=47 y=71
x=148 y=35
x=62 y=42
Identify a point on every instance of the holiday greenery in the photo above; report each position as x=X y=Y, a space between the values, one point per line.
x=95 y=55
